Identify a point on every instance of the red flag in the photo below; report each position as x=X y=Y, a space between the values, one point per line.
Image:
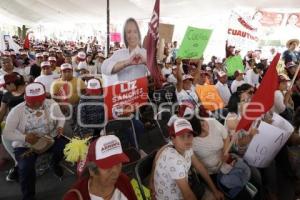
x=263 y=99
x=151 y=42
x=26 y=42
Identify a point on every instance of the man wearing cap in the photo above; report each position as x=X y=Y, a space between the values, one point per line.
x=238 y=81
x=102 y=177
x=218 y=67
x=45 y=56
x=72 y=87
x=47 y=77
x=291 y=54
x=169 y=179
x=99 y=60
x=55 y=69
x=26 y=124
x=223 y=88
x=81 y=57
x=283 y=102
x=59 y=57
x=172 y=77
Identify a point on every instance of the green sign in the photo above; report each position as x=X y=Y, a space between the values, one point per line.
x=194 y=43
x=233 y=64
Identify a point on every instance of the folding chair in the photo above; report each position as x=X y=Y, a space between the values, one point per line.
x=118 y=127
x=143 y=170
x=162 y=118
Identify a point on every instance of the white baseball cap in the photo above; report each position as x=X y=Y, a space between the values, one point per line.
x=94 y=87
x=35 y=92
x=187 y=76
x=45 y=63
x=38 y=55
x=208 y=69
x=221 y=73
x=45 y=53
x=106 y=152
x=51 y=58
x=82 y=65
x=219 y=60
x=81 y=55
x=180 y=126
x=65 y=66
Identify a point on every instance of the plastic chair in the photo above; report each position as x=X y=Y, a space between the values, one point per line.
x=143 y=170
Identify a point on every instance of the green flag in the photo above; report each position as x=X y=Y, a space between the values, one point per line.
x=234 y=63
x=194 y=43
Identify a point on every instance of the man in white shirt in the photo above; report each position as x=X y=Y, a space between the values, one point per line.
x=252 y=76
x=239 y=80
x=7 y=66
x=172 y=77
x=47 y=77
x=223 y=88
x=166 y=70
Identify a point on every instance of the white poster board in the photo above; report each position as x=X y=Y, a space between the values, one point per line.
x=265 y=145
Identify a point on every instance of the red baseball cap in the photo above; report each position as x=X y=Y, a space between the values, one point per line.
x=35 y=92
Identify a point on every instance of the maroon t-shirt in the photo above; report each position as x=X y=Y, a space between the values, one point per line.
x=122 y=184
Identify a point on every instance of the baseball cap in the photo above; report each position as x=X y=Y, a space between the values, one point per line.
x=82 y=65
x=65 y=66
x=45 y=53
x=221 y=73
x=174 y=67
x=51 y=58
x=290 y=64
x=38 y=55
x=45 y=63
x=59 y=51
x=35 y=92
x=180 y=126
x=94 y=87
x=208 y=68
x=187 y=76
x=106 y=152
x=81 y=55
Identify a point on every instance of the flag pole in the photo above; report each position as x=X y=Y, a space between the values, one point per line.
x=107 y=28
x=294 y=78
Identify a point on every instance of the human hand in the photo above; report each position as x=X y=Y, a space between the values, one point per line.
x=59 y=131
x=31 y=138
x=218 y=195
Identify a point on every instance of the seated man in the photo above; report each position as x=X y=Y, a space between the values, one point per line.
x=102 y=177
x=172 y=163
x=26 y=123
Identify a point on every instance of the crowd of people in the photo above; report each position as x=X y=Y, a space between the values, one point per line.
x=54 y=90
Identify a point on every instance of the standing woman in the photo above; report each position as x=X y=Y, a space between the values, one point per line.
x=129 y=63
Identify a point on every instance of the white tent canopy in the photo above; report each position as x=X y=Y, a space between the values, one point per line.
x=43 y=11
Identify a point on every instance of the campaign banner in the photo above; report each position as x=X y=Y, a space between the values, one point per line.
x=268 y=19
x=265 y=145
x=123 y=98
x=194 y=43
x=242 y=33
x=209 y=97
x=166 y=32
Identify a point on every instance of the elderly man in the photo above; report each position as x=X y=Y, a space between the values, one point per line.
x=291 y=55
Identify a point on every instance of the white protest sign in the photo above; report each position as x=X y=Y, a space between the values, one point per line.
x=265 y=145
x=242 y=33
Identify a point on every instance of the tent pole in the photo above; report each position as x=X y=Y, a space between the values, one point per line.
x=107 y=28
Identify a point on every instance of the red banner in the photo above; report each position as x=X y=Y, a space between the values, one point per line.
x=123 y=99
x=268 y=18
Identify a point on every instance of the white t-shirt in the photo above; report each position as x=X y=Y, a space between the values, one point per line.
x=187 y=97
x=171 y=166
x=47 y=80
x=223 y=91
x=129 y=73
x=235 y=84
x=172 y=79
x=209 y=149
x=118 y=195
x=279 y=105
x=92 y=69
x=252 y=78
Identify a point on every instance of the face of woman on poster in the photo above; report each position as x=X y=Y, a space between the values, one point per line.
x=132 y=35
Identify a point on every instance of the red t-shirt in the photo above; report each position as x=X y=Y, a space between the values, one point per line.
x=122 y=184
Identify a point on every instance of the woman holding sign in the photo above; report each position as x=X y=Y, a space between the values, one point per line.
x=130 y=63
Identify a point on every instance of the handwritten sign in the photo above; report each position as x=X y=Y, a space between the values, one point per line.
x=233 y=64
x=194 y=43
x=125 y=97
x=210 y=97
x=265 y=145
